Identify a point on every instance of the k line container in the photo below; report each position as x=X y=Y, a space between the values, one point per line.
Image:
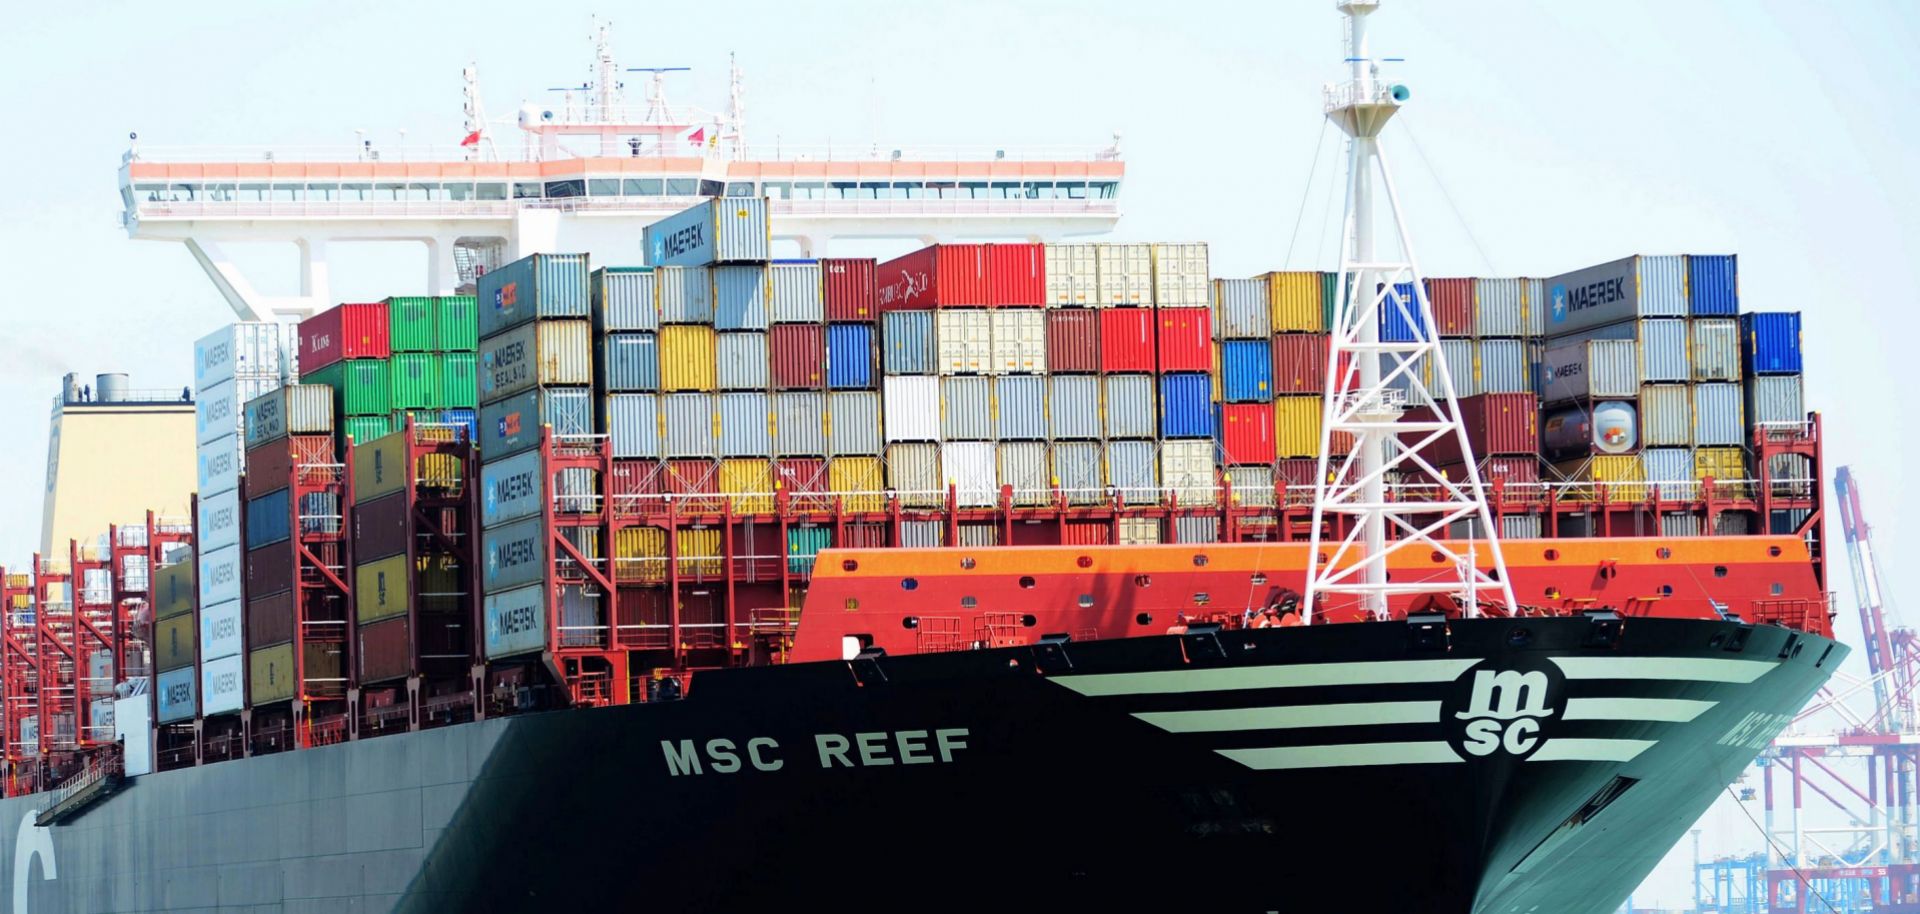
x=688 y=425
x=513 y=425
x=912 y=408
x=1596 y=368
x=1127 y=409
x=740 y=297
x=1133 y=469
x=1183 y=339
x=548 y=353
x=798 y=355
x=1666 y=415
x=1298 y=302
x=1296 y=430
x=1246 y=433
x=298 y=409
x=796 y=292
x=847 y=285
x=1775 y=399
x=1072 y=276
x=1501 y=367
x=1186 y=408
x=1016 y=275
x=1073 y=408
x=1124 y=274
x=963 y=341
x=968 y=466
x=1713 y=285
x=1019 y=341
x=740 y=361
x=688 y=358
x=1622 y=290
x=1771 y=342
x=410 y=323
x=1181 y=277
x=249 y=349
x=631 y=362
x=1127 y=337
x=351 y=331
x=542 y=285
x=938 y=276
x=686 y=295
x=1073 y=340
x=633 y=424
x=913 y=471
x=1020 y=408
x=1499 y=308
x=800 y=424
x=849 y=356
x=1452 y=299
x=625 y=299
x=966 y=409
x=1187 y=468
x=513 y=555
x=1717 y=415
x=1077 y=468
x=1243 y=308
x=907 y=340
x=1715 y=349
x=1022 y=465
x=725 y=230
x=853 y=424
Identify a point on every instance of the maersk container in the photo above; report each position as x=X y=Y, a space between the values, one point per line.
x=542 y=285
x=1770 y=342
x=1126 y=340
x=968 y=466
x=912 y=408
x=1717 y=414
x=1132 y=469
x=1019 y=341
x=1775 y=399
x=1671 y=469
x=1499 y=308
x=217 y=411
x=1243 y=308
x=1124 y=275
x=963 y=341
x=219 y=575
x=1076 y=469
x=850 y=356
x=221 y=685
x=795 y=290
x=913 y=471
x=1072 y=276
x=853 y=424
x=740 y=361
x=1713 y=285
x=514 y=488
x=688 y=426
x=513 y=555
x=625 y=300
x=631 y=362
x=544 y=353
x=688 y=357
x=1596 y=368
x=1666 y=415
x=219 y=463
x=1181 y=278
x=1501 y=367
x=906 y=340
x=350 y=331
x=456 y=323
x=269 y=519
x=219 y=519
x=1622 y=290
x=297 y=409
x=633 y=424
x=250 y=349
x=175 y=693
x=1715 y=349
x=1610 y=428
x=685 y=295
x=360 y=386
x=936 y=276
x=800 y=424
x=1187 y=468
x=1073 y=406
x=740 y=294
x=724 y=230
x=1186 y=407
x=847 y=284
x=1127 y=409
x=513 y=425
x=1020 y=408
x=1400 y=317
x=966 y=409
x=797 y=354
x=1298 y=301
x=1023 y=466
x=410 y=323
x=1073 y=340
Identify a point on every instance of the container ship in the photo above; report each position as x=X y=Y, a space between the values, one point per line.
x=1038 y=576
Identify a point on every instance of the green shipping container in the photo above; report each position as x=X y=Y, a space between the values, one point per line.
x=359 y=386
x=410 y=323
x=415 y=381
x=459 y=386
x=803 y=545
x=1329 y=300
x=367 y=428
x=456 y=327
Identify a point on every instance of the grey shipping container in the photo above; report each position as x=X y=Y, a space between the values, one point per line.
x=977 y=534
x=1188 y=529
x=686 y=295
x=513 y=555
x=1243 y=309
x=922 y=534
x=1127 y=410
x=966 y=409
x=744 y=425
x=1596 y=368
x=1458 y=354
x=1499 y=308
x=1077 y=470
x=1663 y=351
x=1715 y=349
x=1252 y=486
x=542 y=285
x=1671 y=468
x=1020 y=408
x=1632 y=287
x=548 y=353
x=724 y=230
x=1502 y=367
x=512 y=425
x=913 y=470
x=1536 y=305
x=740 y=361
x=511 y=489
x=797 y=292
x=1775 y=399
x=297 y=409
x=1073 y=409
x=1717 y=415
x=1666 y=416
x=740 y=297
x=516 y=621
x=906 y=342
x=1023 y=465
x=626 y=299
x=630 y=362
x=1679 y=523
x=1133 y=469
x=1512 y=526
x=633 y=424
x=853 y=423
x=687 y=421
x=800 y=423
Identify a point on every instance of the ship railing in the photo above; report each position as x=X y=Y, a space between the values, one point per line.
x=502 y=209
x=773 y=619
x=765 y=152
x=132 y=535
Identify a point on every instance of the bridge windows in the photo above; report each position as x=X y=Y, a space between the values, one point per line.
x=526 y=190
x=490 y=192
x=740 y=189
x=973 y=190
x=1070 y=190
x=323 y=193
x=643 y=187
x=909 y=190
x=576 y=187
x=778 y=190
x=1005 y=190
x=603 y=187
x=288 y=193
x=810 y=190
x=1105 y=190
x=251 y=193
x=683 y=187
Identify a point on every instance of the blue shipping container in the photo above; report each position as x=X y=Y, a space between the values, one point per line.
x=906 y=338
x=543 y=285
x=740 y=298
x=1770 y=342
x=268 y=520
x=1396 y=327
x=513 y=425
x=850 y=356
x=1247 y=371
x=733 y=230
x=631 y=362
x=1713 y=285
x=1186 y=407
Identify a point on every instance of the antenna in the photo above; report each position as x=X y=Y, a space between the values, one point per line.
x=737 y=101
x=1374 y=378
x=657 y=112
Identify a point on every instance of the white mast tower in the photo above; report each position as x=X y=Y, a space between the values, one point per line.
x=1372 y=381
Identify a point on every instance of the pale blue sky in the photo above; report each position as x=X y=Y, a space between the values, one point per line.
x=1567 y=133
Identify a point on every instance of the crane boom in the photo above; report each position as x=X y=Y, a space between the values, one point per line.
x=1893 y=695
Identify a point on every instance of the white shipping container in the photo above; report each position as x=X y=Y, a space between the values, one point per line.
x=1020 y=408
x=1186 y=467
x=1023 y=465
x=1128 y=410
x=1076 y=470
x=968 y=466
x=1499 y=308
x=853 y=423
x=913 y=471
x=1073 y=407
x=741 y=361
x=633 y=424
x=246 y=349
x=1125 y=274
x=1180 y=276
x=911 y=411
x=220 y=631
x=963 y=341
x=1139 y=531
x=220 y=685
x=1717 y=415
x=1131 y=469
x=966 y=408
x=219 y=520
x=1072 y=277
x=1019 y=341
x=686 y=294
x=1536 y=305
x=1716 y=349
x=220 y=463
x=1458 y=354
x=800 y=424
x=797 y=292
x=745 y=425
x=1666 y=415
x=688 y=423
x=1663 y=350
x=220 y=572
x=1242 y=309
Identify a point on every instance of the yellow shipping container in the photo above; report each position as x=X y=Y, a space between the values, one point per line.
x=862 y=475
x=1218 y=372
x=173 y=642
x=640 y=555
x=19 y=580
x=379 y=467
x=1623 y=475
x=687 y=357
x=700 y=553
x=173 y=588
x=440 y=471
x=1296 y=302
x=1727 y=466
x=270 y=674
x=1296 y=426
x=380 y=589
x=748 y=484
x=23 y=601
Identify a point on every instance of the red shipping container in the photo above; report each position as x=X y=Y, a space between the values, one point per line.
x=1085 y=533
x=386 y=651
x=1017 y=275
x=799 y=354
x=1452 y=305
x=849 y=289
x=1497 y=425
x=804 y=479
x=695 y=485
x=1512 y=471
x=270 y=568
x=1126 y=339
x=941 y=276
x=1246 y=433
x=1073 y=340
x=270 y=466
x=863 y=536
x=1185 y=339
x=270 y=619
x=343 y=332
x=635 y=485
x=635 y=609
x=1300 y=362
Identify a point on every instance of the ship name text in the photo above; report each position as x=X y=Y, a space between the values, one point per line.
x=875 y=749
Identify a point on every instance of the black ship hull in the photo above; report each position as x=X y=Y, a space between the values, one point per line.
x=1487 y=766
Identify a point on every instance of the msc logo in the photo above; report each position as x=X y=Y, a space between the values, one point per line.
x=1559 y=296
x=1495 y=712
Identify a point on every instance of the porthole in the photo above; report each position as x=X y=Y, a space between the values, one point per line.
x=1321 y=558
x=1200 y=561
x=1666 y=590
x=1663 y=553
x=1029 y=620
x=966 y=562
x=1552 y=555
x=849 y=565
x=1142 y=580
x=1773 y=551
x=1259 y=578
x=969 y=602
x=1719 y=571
x=1085 y=561
x=1026 y=582
x=910 y=622
x=1778 y=589
x=1086 y=601
x=1143 y=619
x=909 y=584
x=1435 y=556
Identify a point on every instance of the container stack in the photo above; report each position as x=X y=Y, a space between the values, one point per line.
x=406 y=356
x=347 y=348
x=293 y=508
x=852 y=418
x=1775 y=398
x=174 y=633
x=411 y=610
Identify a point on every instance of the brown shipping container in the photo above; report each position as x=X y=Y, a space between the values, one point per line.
x=696 y=483
x=1510 y=471
x=270 y=569
x=380 y=528
x=1452 y=305
x=1073 y=340
x=1085 y=533
x=1300 y=363
x=849 y=288
x=1298 y=473
x=270 y=619
x=1497 y=425
x=799 y=353
x=386 y=651
x=270 y=466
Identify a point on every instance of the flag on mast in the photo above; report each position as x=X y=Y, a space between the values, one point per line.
x=697 y=137
x=472 y=139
